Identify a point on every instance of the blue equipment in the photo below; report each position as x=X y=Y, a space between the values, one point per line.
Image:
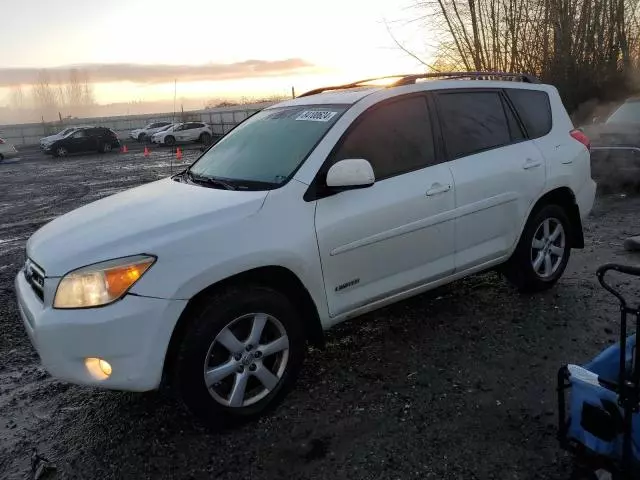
x=602 y=425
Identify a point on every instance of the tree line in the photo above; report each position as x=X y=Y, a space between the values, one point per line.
x=56 y=96
x=588 y=49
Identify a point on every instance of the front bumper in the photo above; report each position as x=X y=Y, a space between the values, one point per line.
x=132 y=335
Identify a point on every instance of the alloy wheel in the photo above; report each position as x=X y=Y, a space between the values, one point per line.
x=246 y=360
x=548 y=247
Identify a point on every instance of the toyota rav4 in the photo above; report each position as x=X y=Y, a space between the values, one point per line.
x=310 y=212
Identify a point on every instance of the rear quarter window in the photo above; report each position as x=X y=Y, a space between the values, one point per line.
x=534 y=109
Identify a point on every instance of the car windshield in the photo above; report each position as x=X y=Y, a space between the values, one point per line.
x=269 y=146
x=627 y=113
x=66 y=131
x=165 y=128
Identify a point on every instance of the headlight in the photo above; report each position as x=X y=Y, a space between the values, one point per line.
x=101 y=283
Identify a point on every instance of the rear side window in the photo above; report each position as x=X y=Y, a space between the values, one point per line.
x=534 y=109
x=473 y=122
x=394 y=137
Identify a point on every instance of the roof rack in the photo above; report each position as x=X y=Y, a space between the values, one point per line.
x=412 y=78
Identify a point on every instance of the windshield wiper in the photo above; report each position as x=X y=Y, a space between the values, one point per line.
x=209 y=181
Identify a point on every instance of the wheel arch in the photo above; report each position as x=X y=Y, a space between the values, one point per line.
x=277 y=277
x=564 y=197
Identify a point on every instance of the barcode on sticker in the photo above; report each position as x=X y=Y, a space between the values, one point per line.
x=316 y=115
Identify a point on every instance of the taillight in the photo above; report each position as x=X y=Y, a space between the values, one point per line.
x=580 y=136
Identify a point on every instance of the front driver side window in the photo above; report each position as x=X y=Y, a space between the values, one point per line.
x=395 y=137
x=80 y=134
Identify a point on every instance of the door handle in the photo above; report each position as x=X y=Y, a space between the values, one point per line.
x=567 y=162
x=437 y=189
x=529 y=164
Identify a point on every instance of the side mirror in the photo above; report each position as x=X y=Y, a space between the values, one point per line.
x=595 y=120
x=350 y=174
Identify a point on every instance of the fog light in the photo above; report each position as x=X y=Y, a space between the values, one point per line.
x=98 y=368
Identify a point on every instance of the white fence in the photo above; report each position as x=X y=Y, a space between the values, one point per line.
x=221 y=119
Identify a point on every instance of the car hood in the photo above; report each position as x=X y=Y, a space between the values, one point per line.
x=50 y=138
x=146 y=219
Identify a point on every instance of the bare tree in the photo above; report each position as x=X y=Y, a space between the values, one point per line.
x=17 y=99
x=45 y=96
x=587 y=48
x=74 y=91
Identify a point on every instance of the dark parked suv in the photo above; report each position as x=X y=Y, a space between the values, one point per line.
x=615 y=148
x=88 y=139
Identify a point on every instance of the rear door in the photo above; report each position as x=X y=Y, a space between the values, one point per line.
x=398 y=233
x=549 y=126
x=78 y=141
x=498 y=173
x=194 y=131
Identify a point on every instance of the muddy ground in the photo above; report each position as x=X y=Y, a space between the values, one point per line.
x=454 y=384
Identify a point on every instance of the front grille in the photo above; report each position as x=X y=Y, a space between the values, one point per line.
x=35 y=277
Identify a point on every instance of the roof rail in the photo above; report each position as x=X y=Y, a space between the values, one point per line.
x=359 y=83
x=514 y=77
x=412 y=78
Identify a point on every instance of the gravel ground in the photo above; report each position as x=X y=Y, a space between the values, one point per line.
x=454 y=384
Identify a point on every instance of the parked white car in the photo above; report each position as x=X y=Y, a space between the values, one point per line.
x=7 y=150
x=311 y=212
x=142 y=134
x=183 y=133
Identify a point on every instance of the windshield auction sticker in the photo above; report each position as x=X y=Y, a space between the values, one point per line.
x=316 y=115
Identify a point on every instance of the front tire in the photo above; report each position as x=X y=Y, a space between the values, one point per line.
x=61 y=152
x=170 y=140
x=240 y=355
x=142 y=138
x=543 y=251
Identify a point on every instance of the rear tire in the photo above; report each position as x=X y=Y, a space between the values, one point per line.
x=218 y=340
x=142 y=137
x=205 y=138
x=543 y=251
x=106 y=147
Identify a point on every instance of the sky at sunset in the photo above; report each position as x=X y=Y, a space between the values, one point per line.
x=133 y=49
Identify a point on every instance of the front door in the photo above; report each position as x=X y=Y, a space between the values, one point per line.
x=397 y=234
x=498 y=173
x=181 y=132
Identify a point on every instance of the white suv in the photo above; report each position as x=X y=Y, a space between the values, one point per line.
x=184 y=132
x=312 y=211
x=146 y=132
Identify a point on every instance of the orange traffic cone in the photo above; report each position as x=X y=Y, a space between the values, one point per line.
x=179 y=154
x=125 y=149
x=146 y=151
